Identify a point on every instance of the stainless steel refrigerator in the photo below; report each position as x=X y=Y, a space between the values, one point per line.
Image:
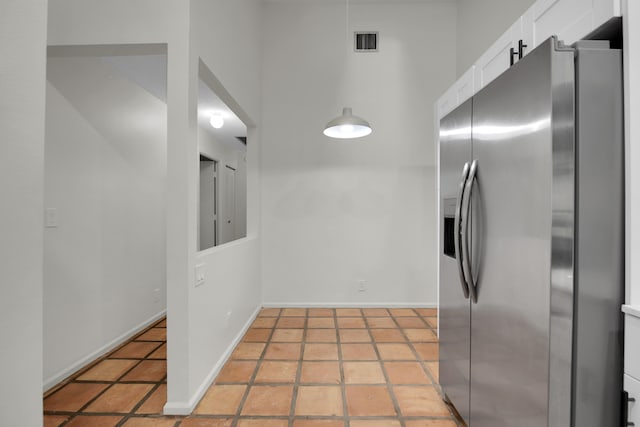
x=532 y=233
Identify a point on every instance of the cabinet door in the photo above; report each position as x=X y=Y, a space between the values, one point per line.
x=447 y=102
x=497 y=58
x=632 y=386
x=570 y=20
x=464 y=87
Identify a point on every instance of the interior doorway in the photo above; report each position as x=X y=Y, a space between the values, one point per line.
x=105 y=186
x=208 y=211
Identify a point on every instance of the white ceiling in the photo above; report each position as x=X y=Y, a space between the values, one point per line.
x=209 y=103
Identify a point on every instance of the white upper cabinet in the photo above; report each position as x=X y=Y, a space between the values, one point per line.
x=499 y=57
x=570 y=20
x=461 y=90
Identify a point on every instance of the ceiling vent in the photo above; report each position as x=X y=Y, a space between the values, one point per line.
x=366 y=41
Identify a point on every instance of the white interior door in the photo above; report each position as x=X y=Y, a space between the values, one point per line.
x=208 y=215
x=229 y=219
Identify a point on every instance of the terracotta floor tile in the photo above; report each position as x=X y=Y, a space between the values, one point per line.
x=221 y=400
x=147 y=370
x=358 y=352
x=363 y=373
x=420 y=401
x=427 y=311
x=262 y=423
x=120 y=398
x=269 y=312
x=320 y=373
x=395 y=352
x=388 y=335
x=348 y=312
x=268 y=400
x=351 y=322
x=257 y=335
x=287 y=335
x=154 y=403
x=318 y=423
x=277 y=372
x=160 y=353
x=320 y=352
x=54 y=420
x=411 y=322
x=402 y=312
x=248 y=351
x=432 y=321
x=206 y=422
x=150 y=422
x=320 y=312
x=427 y=351
x=108 y=370
x=290 y=322
x=321 y=322
x=354 y=335
x=433 y=370
x=283 y=351
x=73 y=396
x=375 y=312
x=161 y=324
x=381 y=322
x=154 y=334
x=293 y=312
x=369 y=401
x=430 y=423
x=94 y=421
x=135 y=350
x=420 y=335
x=236 y=372
x=321 y=335
x=264 y=322
x=375 y=423
x=406 y=373
x=319 y=401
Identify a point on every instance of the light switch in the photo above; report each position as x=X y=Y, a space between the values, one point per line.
x=199 y=275
x=51 y=218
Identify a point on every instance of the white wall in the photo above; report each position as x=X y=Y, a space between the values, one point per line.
x=480 y=23
x=216 y=312
x=336 y=212
x=22 y=87
x=105 y=171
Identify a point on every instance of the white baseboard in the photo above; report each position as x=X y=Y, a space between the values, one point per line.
x=185 y=408
x=67 y=372
x=350 y=305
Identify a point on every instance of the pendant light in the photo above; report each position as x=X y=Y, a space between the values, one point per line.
x=347 y=126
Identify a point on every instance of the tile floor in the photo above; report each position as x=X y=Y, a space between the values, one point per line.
x=295 y=367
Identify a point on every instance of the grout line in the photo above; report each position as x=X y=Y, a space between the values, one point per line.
x=343 y=381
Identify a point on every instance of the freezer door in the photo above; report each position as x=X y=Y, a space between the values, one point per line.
x=523 y=244
x=455 y=152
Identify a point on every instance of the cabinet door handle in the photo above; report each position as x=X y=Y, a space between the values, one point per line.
x=521 y=47
x=512 y=56
x=626 y=400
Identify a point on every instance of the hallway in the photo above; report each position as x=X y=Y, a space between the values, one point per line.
x=295 y=367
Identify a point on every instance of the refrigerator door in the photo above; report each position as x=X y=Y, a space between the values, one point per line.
x=455 y=152
x=522 y=203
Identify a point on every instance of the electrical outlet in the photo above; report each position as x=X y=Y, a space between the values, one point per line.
x=51 y=218
x=199 y=275
x=362 y=285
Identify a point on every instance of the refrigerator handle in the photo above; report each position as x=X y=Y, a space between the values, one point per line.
x=464 y=232
x=456 y=231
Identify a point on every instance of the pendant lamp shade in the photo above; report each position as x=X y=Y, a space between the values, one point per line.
x=347 y=126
